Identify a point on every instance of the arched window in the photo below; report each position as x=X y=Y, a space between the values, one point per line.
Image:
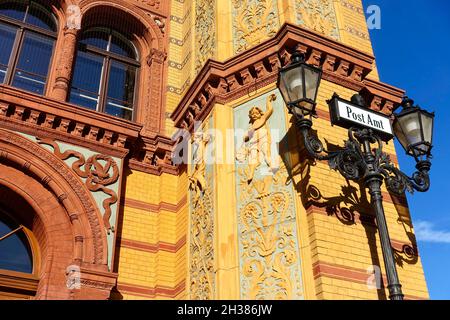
x=27 y=37
x=15 y=250
x=105 y=72
x=18 y=258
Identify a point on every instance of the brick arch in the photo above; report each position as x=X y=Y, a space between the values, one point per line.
x=72 y=224
x=153 y=36
x=152 y=45
x=41 y=213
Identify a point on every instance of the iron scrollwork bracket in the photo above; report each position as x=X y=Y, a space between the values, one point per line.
x=357 y=159
x=398 y=182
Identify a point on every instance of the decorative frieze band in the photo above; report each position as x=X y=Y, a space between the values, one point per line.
x=153 y=155
x=258 y=67
x=46 y=118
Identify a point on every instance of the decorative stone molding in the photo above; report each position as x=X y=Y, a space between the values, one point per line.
x=205 y=32
x=53 y=120
x=153 y=155
x=318 y=15
x=67 y=187
x=46 y=118
x=160 y=7
x=100 y=171
x=381 y=96
x=253 y=21
x=258 y=67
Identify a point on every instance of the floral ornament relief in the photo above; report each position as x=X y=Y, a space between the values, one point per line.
x=99 y=171
x=270 y=261
x=202 y=223
x=254 y=21
x=205 y=32
x=318 y=15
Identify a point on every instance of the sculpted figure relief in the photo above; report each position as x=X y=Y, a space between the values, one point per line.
x=257 y=140
x=197 y=179
x=202 y=222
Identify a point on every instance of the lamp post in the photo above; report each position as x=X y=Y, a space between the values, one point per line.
x=362 y=158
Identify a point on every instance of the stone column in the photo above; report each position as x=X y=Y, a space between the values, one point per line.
x=65 y=63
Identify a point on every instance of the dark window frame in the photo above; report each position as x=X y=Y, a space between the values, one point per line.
x=26 y=236
x=16 y=284
x=108 y=57
x=22 y=28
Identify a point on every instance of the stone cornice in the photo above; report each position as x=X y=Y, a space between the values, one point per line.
x=153 y=154
x=223 y=82
x=96 y=278
x=44 y=117
x=47 y=118
x=381 y=96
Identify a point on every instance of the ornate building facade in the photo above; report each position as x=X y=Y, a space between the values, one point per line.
x=93 y=204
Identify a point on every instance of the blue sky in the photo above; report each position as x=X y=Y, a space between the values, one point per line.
x=412 y=50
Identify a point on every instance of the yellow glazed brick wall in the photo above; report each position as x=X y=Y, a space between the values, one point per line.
x=179 y=56
x=353 y=29
x=329 y=240
x=142 y=267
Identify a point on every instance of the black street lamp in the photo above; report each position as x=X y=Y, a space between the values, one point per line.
x=362 y=158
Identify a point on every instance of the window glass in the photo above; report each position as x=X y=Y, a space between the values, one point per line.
x=7 y=36
x=15 y=253
x=32 y=50
x=40 y=17
x=97 y=37
x=13 y=9
x=86 y=80
x=34 y=59
x=122 y=46
x=121 y=83
x=105 y=79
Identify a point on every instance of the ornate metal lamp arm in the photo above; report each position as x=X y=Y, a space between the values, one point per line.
x=398 y=182
x=353 y=163
x=312 y=144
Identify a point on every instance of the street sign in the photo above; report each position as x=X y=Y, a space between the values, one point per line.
x=347 y=115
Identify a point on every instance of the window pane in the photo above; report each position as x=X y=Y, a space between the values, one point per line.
x=14 y=9
x=122 y=46
x=121 y=90
x=40 y=17
x=86 y=80
x=118 y=109
x=15 y=253
x=96 y=37
x=34 y=60
x=7 y=36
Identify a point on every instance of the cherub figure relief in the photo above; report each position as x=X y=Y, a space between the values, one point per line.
x=257 y=140
x=197 y=180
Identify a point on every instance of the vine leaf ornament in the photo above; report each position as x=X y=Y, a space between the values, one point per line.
x=202 y=222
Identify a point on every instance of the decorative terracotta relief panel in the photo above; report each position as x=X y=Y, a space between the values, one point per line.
x=157 y=6
x=205 y=32
x=100 y=174
x=318 y=15
x=253 y=22
x=202 y=219
x=268 y=237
